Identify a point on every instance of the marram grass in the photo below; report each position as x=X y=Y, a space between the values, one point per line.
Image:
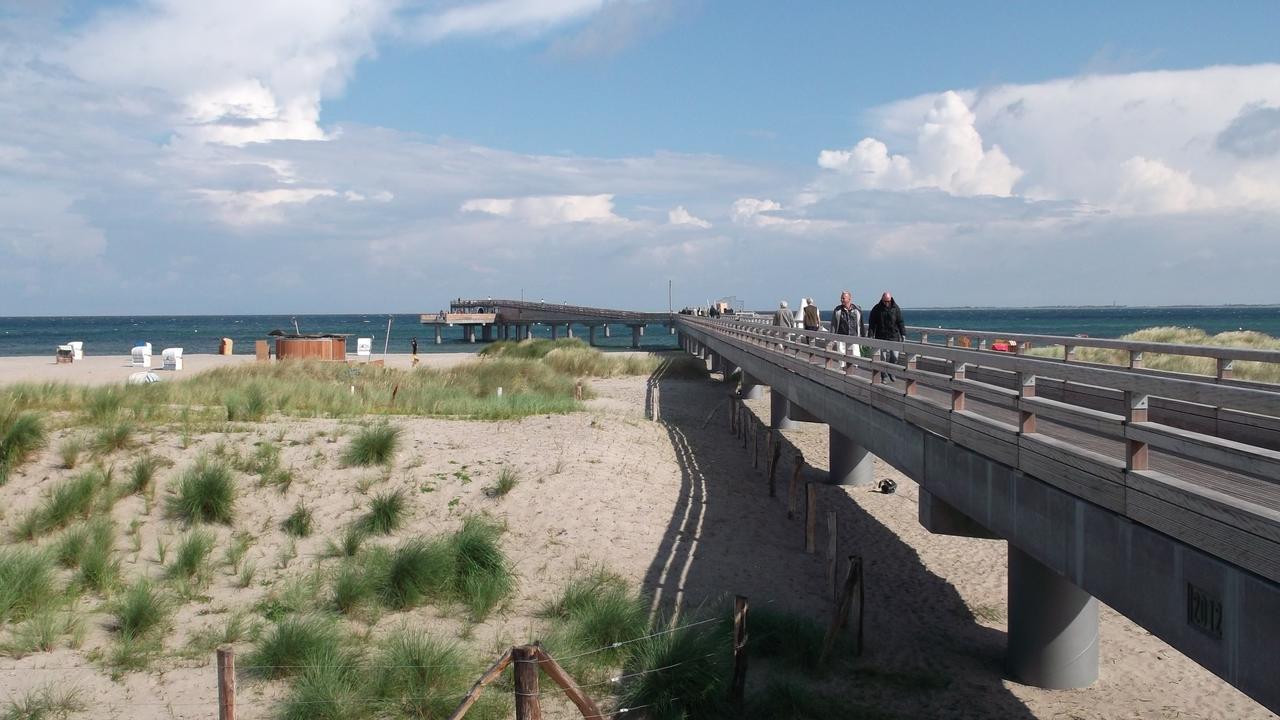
x=205 y=493
x=1257 y=372
x=373 y=445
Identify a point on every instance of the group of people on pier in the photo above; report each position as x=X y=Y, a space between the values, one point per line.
x=884 y=322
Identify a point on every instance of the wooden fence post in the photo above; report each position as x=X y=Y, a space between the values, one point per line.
x=850 y=597
x=793 y=489
x=810 y=518
x=585 y=705
x=737 y=688
x=489 y=676
x=526 y=673
x=226 y=683
x=755 y=446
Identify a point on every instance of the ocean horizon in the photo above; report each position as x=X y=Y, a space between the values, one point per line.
x=117 y=334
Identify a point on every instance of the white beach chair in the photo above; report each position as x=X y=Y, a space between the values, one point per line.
x=142 y=355
x=364 y=349
x=77 y=349
x=172 y=358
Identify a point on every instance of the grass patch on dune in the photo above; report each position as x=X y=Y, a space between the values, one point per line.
x=373 y=445
x=139 y=610
x=299 y=523
x=1254 y=371
x=679 y=675
x=52 y=701
x=385 y=515
x=26 y=582
x=72 y=498
x=292 y=644
x=117 y=436
x=595 y=610
x=69 y=452
x=89 y=548
x=22 y=434
x=205 y=493
x=190 y=559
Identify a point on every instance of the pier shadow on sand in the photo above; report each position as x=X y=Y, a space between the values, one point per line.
x=925 y=656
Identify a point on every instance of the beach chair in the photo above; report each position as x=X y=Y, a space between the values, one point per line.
x=364 y=349
x=77 y=349
x=142 y=355
x=64 y=354
x=172 y=358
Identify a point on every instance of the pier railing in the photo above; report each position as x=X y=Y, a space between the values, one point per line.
x=1117 y=436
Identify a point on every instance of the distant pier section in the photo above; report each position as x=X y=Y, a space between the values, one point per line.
x=495 y=319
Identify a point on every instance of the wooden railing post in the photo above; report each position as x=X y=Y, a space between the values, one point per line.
x=913 y=361
x=226 y=683
x=1068 y=353
x=1135 y=359
x=793 y=488
x=1225 y=366
x=1136 y=453
x=851 y=597
x=775 y=441
x=957 y=395
x=527 y=694
x=737 y=688
x=1026 y=389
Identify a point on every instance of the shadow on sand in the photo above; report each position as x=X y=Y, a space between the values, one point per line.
x=925 y=656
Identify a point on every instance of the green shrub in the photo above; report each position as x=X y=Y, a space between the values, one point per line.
x=298 y=524
x=292 y=644
x=373 y=445
x=205 y=493
x=594 y=611
x=26 y=582
x=794 y=700
x=349 y=543
x=140 y=609
x=98 y=564
x=386 y=513
x=190 y=558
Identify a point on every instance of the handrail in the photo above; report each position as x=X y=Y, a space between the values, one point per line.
x=560 y=308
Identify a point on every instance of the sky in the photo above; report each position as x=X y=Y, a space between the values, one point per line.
x=315 y=156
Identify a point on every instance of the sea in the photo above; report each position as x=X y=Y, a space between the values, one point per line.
x=197 y=334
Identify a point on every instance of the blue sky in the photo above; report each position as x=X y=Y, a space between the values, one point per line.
x=386 y=155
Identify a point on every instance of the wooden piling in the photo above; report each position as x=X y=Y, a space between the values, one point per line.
x=851 y=597
x=226 y=683
x=832 y=542
x=793 y=489
x=737 y=688
x=776 y=442
x=810 y=518
x=525 y=658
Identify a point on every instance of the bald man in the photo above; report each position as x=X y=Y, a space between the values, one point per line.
x=885 y=323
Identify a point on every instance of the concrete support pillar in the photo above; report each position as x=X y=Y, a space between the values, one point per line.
x=718 y=365
x=555 y=331
x=487 y=333
x=1053 y=627
x=591 y=335
x=780 y=412
x=470 y=332
x=636 y=332
x=850 y=463
x=438 y=338
x=751 y=388
x=528 y=332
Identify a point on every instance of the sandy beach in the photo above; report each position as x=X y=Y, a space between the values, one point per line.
x=674 y=506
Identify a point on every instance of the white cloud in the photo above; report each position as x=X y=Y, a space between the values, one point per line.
x=948 y=155
x=262 y=206
x=548 y=209
x=496 y=16
x=680 y=216
x=1162 y=141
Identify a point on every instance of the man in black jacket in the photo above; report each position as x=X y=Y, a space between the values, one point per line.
x=885 y=323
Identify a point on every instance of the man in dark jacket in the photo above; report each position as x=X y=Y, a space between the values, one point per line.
x=846 y=319
x=885 y=323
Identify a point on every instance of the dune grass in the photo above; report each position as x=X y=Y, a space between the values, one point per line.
x=292 y=643
x=89 y=548
x=191 y=557
x=116 y=436
x=143 y=472
x=1254 y=371
x=299 y=523
x=682 y=674
x=595 y=610
x=409 y=575
x=70 y=499
x=422 y=675
x=44 y=630
x=508 y=478
x=27 y=582
x=385 y=515
x=205 y=493
x=52 y=701
x=139 y=610
x=69 y=451
x=373 y=445
x=22 y=434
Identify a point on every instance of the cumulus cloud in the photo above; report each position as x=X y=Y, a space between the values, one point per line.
x=948 y=154
x=252 y=207
x=548 y=209
x=1160 y=141
x=495 y=16
x=680 y=216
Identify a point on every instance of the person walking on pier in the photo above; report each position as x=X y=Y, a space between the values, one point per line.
x=885 y=323
x=783 y=318
x=846 y=319
x=812 y=321
x=413 y=348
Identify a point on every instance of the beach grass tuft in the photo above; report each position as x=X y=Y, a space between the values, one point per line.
x=373 y=445
x=292 y=643
x=70 y=499
x=482 y=579
x=21 y=435
x=190 y=558
x=142 y=473
x=205 y=493
x=116 y=436
x=52 y=701
x=249 y=403
x=410 y=574
x=385 y=515
x=140 y=609
x=69 y=451
x=508 y=478
x=27 y=577
x=422 y=674
x=679 y=674
x=299 y=522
